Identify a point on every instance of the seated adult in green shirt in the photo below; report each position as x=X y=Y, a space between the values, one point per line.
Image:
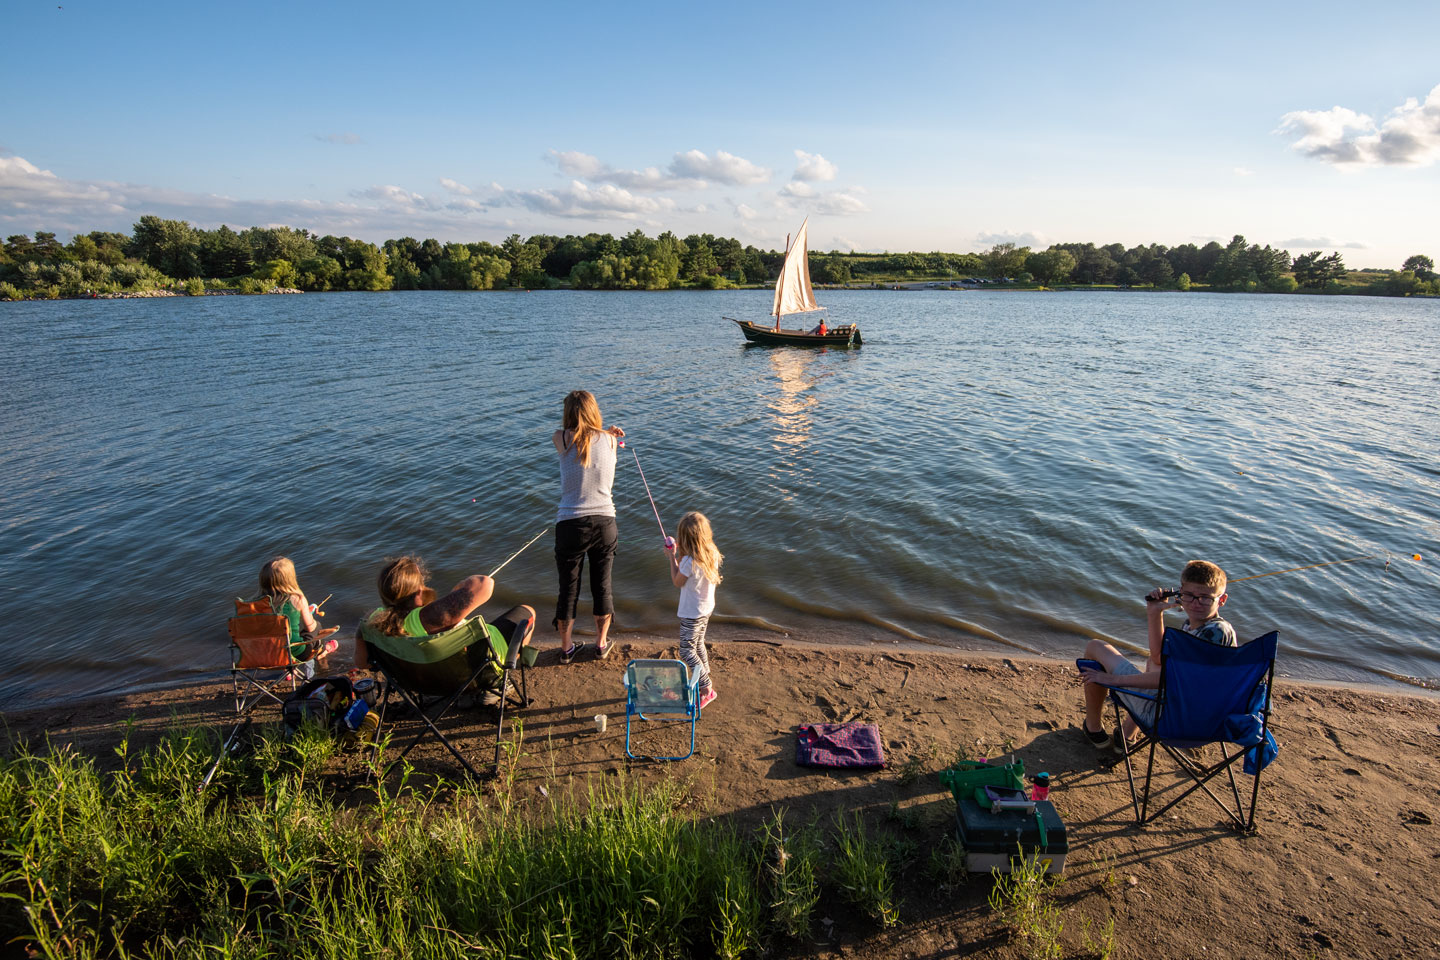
x=410 y=608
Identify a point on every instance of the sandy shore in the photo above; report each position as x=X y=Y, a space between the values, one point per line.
x=1344 y=864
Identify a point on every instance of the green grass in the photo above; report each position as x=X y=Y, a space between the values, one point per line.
x=1025 y=900
x=270 y=861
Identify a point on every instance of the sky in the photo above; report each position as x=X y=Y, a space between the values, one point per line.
x=893 y=127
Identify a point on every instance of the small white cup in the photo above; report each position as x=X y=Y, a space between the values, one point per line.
x=599 y=723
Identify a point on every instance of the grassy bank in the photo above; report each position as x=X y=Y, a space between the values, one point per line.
x=278 y=860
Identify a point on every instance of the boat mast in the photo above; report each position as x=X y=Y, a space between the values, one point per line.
x=779 y=280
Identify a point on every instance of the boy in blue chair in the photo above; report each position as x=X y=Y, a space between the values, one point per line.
x=1201 y=595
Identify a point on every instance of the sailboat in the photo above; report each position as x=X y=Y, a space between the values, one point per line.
x=794 y=295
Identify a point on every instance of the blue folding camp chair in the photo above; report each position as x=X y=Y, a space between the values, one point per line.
x=1208 y=694
x=656 y=688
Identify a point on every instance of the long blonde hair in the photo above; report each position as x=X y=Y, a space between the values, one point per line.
x=278 y=581
x=582 y=419
x=693 y=539
x=400 y=579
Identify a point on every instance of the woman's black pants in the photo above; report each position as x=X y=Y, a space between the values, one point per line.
x=593 y=537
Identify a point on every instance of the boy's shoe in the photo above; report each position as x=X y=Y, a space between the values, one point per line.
x=707 y=698
x=568 y=656
x=1099 y=739
x=1119 y=744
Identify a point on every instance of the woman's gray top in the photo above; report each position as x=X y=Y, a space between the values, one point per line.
x=585 y=491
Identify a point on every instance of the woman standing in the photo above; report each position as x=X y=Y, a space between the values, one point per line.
x=585 y=521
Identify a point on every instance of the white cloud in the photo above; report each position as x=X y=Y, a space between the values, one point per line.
x=573 y=163
x=455 y=186
x=843 y=243
x=580 y=200
x=348 y=139
x=398 y=196
x=813 y=167
x=801 y=197
x=721 y=168
x=1410 y=136
x=31 y=199
x=745 y=212
x=1244 y=172
x=1328 y=243
x=1034 y=241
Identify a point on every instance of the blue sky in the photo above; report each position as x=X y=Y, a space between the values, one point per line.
x=910 y=126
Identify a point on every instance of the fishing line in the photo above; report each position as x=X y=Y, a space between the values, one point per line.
x=520 y=551
x=668 y=541
x=1371 y=556
x=1168 y=594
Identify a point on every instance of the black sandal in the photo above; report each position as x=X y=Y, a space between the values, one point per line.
x=568 y=656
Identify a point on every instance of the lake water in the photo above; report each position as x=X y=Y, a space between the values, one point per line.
x=992 y=471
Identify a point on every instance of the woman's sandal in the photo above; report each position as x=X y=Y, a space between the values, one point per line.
x=568 y=656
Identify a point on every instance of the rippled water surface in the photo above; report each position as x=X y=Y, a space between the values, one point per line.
x=993 y=471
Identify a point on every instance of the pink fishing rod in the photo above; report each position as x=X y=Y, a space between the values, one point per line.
x=669 y=541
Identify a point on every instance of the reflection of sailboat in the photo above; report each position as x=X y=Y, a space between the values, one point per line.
x=793 y=419
x=793 y=294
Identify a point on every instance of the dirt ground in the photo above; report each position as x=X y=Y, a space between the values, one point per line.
x=1345 y=861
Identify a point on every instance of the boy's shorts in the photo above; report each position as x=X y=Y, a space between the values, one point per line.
x=1142 y=709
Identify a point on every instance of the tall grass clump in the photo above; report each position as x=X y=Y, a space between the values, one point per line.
x=862 y=868
x=135 y=861
x=1024 y=898
x=791 y=860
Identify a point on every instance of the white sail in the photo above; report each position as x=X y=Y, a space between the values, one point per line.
x=793 y=293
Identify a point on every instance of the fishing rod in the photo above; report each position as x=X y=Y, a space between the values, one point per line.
x=315 y=608
x=669 y=541
x=520 y=551
x=1169 y=594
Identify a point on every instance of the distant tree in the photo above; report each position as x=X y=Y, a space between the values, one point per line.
x=633 y=243
x=1420 y=265
x=167 y=245
x=524 y=260
x=320 y=273
x=1005 y=259
x=829 y=269
x=1051 y=266
x=1182 y=282
x=699 y=261
x=1315 y=271
x=1157 y=270
x=280 y=243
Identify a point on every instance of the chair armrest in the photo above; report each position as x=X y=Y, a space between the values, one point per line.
x=513 y=644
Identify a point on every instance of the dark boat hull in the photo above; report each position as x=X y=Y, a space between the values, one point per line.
x=848 y=336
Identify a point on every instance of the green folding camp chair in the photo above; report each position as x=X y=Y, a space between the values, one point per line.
x=431 y=673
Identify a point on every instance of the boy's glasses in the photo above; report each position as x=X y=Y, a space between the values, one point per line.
x=1188 y=597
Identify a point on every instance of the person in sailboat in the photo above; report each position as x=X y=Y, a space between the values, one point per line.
x=820 y=329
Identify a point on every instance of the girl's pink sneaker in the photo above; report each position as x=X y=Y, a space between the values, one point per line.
x=707 y=698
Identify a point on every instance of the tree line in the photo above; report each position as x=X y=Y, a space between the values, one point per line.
x=161 y=253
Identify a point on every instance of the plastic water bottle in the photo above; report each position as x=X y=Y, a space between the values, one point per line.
x=1042 y=786
x=355 y=716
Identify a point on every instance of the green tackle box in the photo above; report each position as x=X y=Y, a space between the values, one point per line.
x=993 y=838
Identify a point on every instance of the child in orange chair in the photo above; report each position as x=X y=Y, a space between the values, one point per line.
x=279 y=582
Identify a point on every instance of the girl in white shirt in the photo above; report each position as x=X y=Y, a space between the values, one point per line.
x=695 y=569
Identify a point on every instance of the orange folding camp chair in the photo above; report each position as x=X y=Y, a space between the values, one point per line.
x=261 y=659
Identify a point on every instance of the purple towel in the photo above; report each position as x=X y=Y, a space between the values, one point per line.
x=839 y=745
